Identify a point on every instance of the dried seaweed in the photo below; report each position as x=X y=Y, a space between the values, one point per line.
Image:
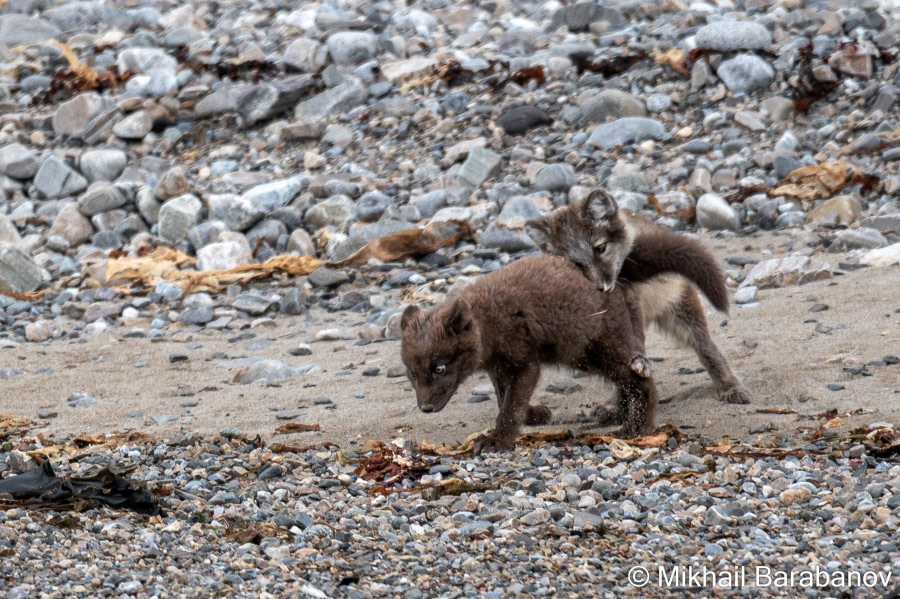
x=807 y=89
x=524 y=75
x=405 y=244
x=390 y=464
x=610 y=67
x=286 y=448
x=685 y=214
x=819 y=181
x=297 y=427
x=253 y=71
x=676 y=60
x=77 y=77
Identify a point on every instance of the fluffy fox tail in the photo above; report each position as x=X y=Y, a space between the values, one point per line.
x=663 y=252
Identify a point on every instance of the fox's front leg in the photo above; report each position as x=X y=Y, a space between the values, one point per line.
x=536 y=414
x=640 y=365
x=515 y=387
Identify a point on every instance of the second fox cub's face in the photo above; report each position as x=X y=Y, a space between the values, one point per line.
x=439 y=350
x=591 y=233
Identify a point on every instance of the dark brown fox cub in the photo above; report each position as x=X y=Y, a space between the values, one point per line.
x=651 y=263
x=536 y=310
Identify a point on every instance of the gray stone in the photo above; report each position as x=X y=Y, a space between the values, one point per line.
x=778 y=108
x=303 y=130
x=516 y=212
x=327 y=277
x=72 y=116
x=252 y=302
x=237 y=212
x=145 y=60
x=148 y=206
x=580 y=15
x=429 y=203
x=8 y=231
x=293 y=302
x=100 y=197
x=659 y=102
x=72 y=225
x=305 y=54
x=271 y=196
x=334 y=211
x=18 y=162
x=55 y=179
x=371 y=206
x=103 y=165
x=611 y=104
x=781 y=272
x=266 y=100
x=784 y=165
x=177 y=216
x=301 y=243
x=626 y=130
x=270 y=372
x=352 y=47
x=716 y=516
x=745 y=73
x=506 y=240
x=861 y=238
x=727 y=36
x=746 y=295
x=172 y=183
x=714 y=213
x=337 y=100
x=232 y=251
x=221 y=101
x=18 y=272
x=39 y=331
x=18 y=30
x=480 y=165
x=522 y=118
x=135 y=126
x=556 y=177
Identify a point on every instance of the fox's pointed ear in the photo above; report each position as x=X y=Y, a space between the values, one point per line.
x=537 y=230
x=459 y=317
x=410 y=317
x=600 y=206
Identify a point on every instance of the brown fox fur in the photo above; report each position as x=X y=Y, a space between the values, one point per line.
x=537 y=310
x=660 y=269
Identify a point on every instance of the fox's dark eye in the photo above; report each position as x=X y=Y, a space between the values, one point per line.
x=600 y=247
x=440 y=369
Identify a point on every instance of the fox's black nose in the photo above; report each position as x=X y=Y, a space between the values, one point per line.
x=426 y=409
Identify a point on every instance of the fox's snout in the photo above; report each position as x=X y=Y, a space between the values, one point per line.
x=427 y=409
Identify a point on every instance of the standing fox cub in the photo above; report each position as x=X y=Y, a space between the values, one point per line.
x=539 y=309
x=658 y=268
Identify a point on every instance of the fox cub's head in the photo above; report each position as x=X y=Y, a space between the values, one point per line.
x=440 y=349
x=592 y=233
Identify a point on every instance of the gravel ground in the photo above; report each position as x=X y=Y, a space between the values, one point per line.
x=349 y=157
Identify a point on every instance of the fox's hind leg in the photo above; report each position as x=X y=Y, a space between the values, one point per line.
x=686 y=321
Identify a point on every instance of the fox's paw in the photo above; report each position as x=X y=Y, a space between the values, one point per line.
x=641 y=366
x=491 y=443
x=632 y=430
x=538 y=415
x=736 y=395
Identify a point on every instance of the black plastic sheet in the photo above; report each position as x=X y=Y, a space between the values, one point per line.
x=41 y=488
